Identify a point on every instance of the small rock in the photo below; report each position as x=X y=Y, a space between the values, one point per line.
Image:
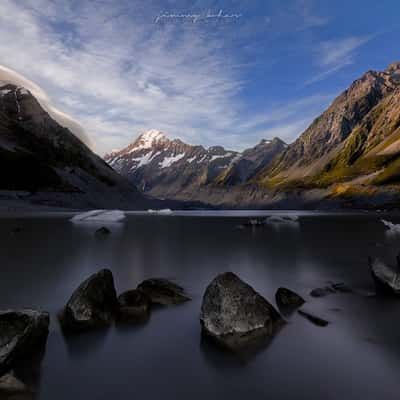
x=286 y=298
x=103 y=231
x=22 y=334
x=92 y=304
x=235 y=315
x=314 y=319
x=163 y=292
x=9 y=383
x=133 y=304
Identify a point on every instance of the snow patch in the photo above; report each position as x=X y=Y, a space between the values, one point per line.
x=168 y=161
x=99 y=216
x=190 y=160
x=3 y=92
x=145 y=159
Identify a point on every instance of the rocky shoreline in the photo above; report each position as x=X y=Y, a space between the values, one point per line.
x=233 y=315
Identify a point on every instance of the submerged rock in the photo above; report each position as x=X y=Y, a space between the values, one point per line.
x=387 y=279
x=235 y=315
x=331 y=289
x=92 y=304
x=133 y=304
x=313 y=318
x=164 y=292
x=10 y=384
x=288 y=299
x=22 y=334
x=103 y=231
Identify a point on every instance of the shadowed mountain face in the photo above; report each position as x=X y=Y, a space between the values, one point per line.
x=173 y=169
x=349 y=155
x=48 y=164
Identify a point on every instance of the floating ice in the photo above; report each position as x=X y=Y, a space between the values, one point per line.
x=162 y=211
x=99 y=216
x=392 y=228
x=282 y=219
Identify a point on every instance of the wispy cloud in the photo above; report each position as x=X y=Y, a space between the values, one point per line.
x=110 y=66
x=333 y=55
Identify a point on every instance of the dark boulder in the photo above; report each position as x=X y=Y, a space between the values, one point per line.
x=313 y=318
x=163 y=292
x=103 y=231
x=322 y=292
x=22 y=334
x=92 y=304
x=133 y=304
x=331 y=289
x=235 y=315
x=387 y=279
x=287 y=299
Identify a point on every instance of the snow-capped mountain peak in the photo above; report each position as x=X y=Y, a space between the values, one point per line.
x=148 y=139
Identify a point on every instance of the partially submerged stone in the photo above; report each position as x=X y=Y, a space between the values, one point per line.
x=133 y=304
x=235 y=315
x=22 y=334
x=10 y=384
x=313 y=318
x=386 y=278
x=163 y=292
x=103 y=231
x=92 y=304
x=287 y=299
x=331 y=289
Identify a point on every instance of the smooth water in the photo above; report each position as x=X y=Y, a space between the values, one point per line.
x=356 y=357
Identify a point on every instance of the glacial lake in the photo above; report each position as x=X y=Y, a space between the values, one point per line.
x=357 y=356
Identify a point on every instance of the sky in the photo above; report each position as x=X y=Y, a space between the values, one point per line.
x=208 y=72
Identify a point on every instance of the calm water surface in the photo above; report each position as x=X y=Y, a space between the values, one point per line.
x=356 y=357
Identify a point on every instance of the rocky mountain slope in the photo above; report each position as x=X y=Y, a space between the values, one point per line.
x=167 y=168
x=173 y=169
x=44 y=163
x=343 y=135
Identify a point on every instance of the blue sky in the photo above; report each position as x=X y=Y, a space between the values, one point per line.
x=208 y=72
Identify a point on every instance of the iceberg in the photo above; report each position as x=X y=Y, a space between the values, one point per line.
x=392 y=228
x=99 y=216
x=164 y=211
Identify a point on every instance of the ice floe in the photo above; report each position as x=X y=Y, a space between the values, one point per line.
x=164 y=211
x=102 y=216
x=392 y=228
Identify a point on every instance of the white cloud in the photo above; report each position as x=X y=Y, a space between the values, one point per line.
x=111 y=67
x=333 y=55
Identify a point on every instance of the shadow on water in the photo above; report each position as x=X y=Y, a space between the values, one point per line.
x=220 y=356
x=83 y=344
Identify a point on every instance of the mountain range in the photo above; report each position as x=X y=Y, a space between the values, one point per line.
x=349 y=156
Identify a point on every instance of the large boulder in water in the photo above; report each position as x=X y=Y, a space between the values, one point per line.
x=287 y=299
x=22 y=334
x=235 y=315
x=387 y=279
x=163 y=292
x=92 y=304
